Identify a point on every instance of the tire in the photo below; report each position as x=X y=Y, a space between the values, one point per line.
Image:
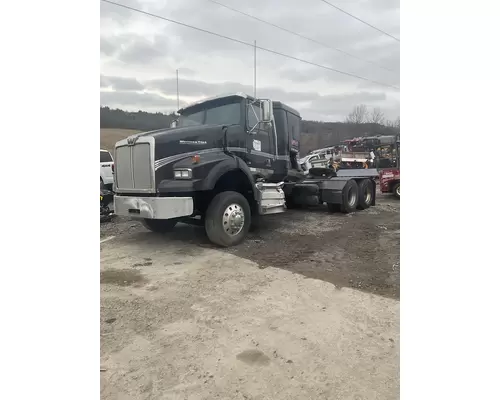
x=224 y=209
x=365 y=194
x=102 y=184
x=396 y=190
x=350 y=197
x=159 y=225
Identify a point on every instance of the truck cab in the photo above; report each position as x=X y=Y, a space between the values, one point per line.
x=389 y=166
x=228 y=160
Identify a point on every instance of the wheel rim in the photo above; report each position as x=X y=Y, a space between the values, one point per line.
x=351 y=197
x=368 y=195
x=397 y=190
x=233 y=219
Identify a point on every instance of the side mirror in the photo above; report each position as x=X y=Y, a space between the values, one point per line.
x=266 y=111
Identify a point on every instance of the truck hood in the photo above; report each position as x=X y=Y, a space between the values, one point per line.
x=173 y=141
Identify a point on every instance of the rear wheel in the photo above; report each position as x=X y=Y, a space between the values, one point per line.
x=159 y=225
x=350 y=196
x=365 y=194
x=227 y=219
x=396 y=190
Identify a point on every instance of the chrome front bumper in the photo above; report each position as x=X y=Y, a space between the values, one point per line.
x=153 y=207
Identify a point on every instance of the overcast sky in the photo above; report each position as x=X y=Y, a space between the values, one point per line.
x=140 y=54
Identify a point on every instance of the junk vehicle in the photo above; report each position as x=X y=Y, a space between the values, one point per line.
x=390 y=176
x=305 y=162
x=106 y=200
x=337 y=157
x=319 y=157
x=229 y=160
x=384 y=148
x=352 y=159
x=106 y=169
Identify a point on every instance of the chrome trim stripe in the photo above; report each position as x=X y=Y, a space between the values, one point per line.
x=163 y=161
x=240 y=149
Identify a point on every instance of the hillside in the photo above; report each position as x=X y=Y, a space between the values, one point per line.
x=118 y=124
x=109 y=137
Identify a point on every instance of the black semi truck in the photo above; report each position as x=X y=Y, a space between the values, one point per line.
x=227 y=161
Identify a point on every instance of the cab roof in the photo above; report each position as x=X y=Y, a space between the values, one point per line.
x=279 y=104
x=276 y=104
x=222 y=96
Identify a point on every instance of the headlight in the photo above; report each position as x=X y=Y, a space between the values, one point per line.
x=183 y=174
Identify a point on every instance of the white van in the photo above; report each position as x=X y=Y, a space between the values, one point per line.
x=107 y=169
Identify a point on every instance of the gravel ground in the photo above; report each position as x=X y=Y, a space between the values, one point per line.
x=306 y=308
x=359 y=250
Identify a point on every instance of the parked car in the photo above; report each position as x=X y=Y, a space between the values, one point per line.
x=107 y=170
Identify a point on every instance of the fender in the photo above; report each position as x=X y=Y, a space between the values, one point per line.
x=230 y=164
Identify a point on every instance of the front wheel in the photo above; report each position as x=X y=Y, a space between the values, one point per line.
x=227 y=219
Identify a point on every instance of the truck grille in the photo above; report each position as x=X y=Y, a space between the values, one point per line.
x=133 y=168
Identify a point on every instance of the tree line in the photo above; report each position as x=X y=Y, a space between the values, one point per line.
x=361 y=115
x=315 y=134
x=140 y=120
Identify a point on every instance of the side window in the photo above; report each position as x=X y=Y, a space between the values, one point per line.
x=252 y=111
x=293 y=126
x=281 y=123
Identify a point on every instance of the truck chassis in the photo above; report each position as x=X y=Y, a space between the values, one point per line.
x=228 y=214
x=238 y=162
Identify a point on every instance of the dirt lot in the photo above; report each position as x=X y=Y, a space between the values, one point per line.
x=306 y=308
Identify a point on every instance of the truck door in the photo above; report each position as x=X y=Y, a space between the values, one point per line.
x=260 y=140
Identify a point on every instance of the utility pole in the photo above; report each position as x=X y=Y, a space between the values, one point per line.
x=177 y=73
x=255 y=68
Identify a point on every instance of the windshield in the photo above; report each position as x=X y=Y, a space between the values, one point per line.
x=218 y=114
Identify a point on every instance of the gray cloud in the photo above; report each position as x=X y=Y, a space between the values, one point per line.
x=310 y=104
x=119 y=83
x=143 y=51
x=319 y=22
x=137 y=101
x=345 y=102
x=152 y=49
x=108 y=48
x=194 y=88
x=337 y=107
x=119 y=15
